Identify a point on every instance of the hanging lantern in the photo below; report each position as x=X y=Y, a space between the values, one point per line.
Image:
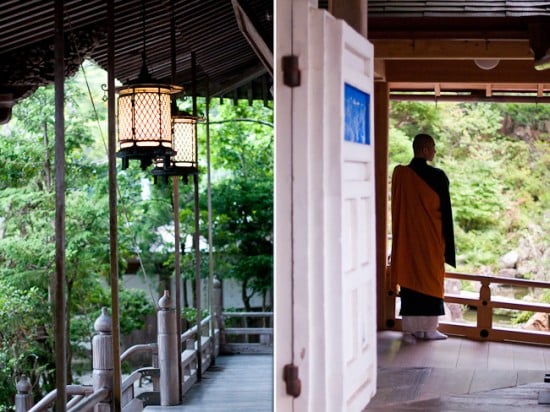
x=144 y=119
x=144 y=115
x=183 y=160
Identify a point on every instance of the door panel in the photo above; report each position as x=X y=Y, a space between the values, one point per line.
x=324 y=221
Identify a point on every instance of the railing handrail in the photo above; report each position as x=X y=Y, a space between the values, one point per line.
x=247 y=314
x=485 y=304
x=499 y=280
x=141 y=347
x=189 y=333
x=499 y=301
x=84 y=398
x=485 y=301
x=51 y=396
x=90 y=401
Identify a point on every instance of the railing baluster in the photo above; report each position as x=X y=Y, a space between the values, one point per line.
x=168 y=352
x=102 y=359
x=485 y=310
x=23 y=399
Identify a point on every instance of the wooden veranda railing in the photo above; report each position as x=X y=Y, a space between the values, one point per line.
x=485 y=303
x=87 y=397
x=199 y=344
x=238 y=335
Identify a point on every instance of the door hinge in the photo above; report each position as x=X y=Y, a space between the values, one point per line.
x=291 y=71
x=293 y=382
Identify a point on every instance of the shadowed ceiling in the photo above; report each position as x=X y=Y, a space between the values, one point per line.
x=431 y=48
x=217 y=32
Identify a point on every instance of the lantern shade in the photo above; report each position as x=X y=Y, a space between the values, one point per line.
x=183 y=161
x=144 y=122
x=184 y=141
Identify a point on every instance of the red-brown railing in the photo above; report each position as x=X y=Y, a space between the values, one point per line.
x=485 y=304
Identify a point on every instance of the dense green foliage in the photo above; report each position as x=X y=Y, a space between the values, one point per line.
x=497 y=157
x=242 y=201
x=27 y=241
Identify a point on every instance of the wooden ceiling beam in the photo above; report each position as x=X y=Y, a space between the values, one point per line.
x=430 y=49
x=539 y=89
x=448 y=71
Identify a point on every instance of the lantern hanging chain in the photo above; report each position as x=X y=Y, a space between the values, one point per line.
x=144 y=31
x=123 y=204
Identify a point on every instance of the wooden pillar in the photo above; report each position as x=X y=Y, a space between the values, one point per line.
x=60 y=324
x=381 y=137
x=102 y=357
x=217 y=304
x=113 y=210
x=168 y=352
x=353 y=12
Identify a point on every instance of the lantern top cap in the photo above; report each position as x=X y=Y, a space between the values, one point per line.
x=170 y=88
x=146 y=81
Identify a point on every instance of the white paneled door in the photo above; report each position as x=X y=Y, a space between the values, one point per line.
x=325 y=323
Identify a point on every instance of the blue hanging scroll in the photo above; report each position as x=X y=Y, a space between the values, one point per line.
x=357 y=111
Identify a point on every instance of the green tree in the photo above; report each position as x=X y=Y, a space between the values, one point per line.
x=24 y=342
x=27 y=235
x=242 y=197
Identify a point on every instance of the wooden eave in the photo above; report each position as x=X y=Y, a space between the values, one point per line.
x=433 y=50
x=227 y=64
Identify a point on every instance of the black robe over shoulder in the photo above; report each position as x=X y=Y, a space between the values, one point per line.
x=438 y=181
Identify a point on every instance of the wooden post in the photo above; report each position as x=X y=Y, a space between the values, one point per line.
x=485 y=311
x=60 y=324
x=217 y=308
x=23 y=399
x=113 y=210
x=168 y=355
x=102 y=360
x=386 y=303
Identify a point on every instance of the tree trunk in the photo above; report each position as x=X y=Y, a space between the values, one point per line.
x=244 y=295
x=47 y=161
x=68 y=329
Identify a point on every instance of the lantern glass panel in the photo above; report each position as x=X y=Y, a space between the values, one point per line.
x=184 y=142
x=144 y=116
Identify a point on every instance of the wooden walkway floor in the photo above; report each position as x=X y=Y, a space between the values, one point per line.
x=459 y=375
x=235 y=383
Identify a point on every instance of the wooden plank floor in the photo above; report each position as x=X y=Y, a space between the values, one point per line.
x=459 y=374
x=235 y=383
x=452 y=375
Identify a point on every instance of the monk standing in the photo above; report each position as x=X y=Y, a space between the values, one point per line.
x=422 y=240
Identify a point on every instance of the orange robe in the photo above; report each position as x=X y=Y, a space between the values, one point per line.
x=418 y=243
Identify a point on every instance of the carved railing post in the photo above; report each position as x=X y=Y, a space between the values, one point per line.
x=102 y=357
x=217 y=305
x=168 y=355
x=485 y=311
x=23 y=399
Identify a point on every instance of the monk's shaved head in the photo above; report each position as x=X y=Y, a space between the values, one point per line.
x=422 y=141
